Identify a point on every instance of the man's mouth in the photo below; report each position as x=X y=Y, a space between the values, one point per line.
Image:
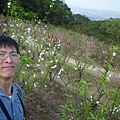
x=8 y=67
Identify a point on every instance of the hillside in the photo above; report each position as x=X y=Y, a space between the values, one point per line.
x=54 y=88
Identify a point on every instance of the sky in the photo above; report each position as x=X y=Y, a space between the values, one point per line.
x=112 y=5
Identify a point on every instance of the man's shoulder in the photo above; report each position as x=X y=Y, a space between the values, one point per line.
x=16 y=86
x=19 y=90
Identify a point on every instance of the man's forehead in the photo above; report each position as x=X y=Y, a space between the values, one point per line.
x=7 y=48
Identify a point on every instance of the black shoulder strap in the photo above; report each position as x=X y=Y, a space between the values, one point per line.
x=19 y=96
x=5 y=110
x=24 y=111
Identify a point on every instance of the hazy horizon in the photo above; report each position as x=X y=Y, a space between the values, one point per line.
x=109 y=5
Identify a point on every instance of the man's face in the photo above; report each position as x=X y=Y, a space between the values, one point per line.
x=8 y=64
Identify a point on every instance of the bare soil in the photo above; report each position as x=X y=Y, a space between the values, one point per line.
x=45 y=105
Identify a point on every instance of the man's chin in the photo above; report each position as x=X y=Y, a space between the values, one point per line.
x=7 y=77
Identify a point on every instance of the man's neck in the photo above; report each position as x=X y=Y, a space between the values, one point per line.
x=6 y=85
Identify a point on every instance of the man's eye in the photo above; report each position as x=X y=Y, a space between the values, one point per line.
x=15 y=55
x=1 y=54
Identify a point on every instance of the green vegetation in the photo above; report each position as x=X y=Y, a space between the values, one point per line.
x=68 y=75
x=56 y=12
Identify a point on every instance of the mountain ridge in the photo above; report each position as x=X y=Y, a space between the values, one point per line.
x=95 y=14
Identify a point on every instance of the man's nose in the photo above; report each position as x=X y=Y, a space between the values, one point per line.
x=8 y=59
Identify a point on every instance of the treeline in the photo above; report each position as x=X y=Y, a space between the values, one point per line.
x=57 y=12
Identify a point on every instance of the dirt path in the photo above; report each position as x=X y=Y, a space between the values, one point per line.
x=95 y=71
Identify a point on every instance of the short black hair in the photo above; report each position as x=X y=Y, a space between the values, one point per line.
x=8 y=41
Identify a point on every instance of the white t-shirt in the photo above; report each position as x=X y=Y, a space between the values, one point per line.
x=10 y=96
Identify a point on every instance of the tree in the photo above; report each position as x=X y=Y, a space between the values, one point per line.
x=78 y=22
x=112 y=27
x=3 y=6
x=59 y=13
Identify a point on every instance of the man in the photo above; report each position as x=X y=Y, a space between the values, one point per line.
x=11 y=96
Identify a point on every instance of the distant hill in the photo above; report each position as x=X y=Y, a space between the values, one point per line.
x=94 y=14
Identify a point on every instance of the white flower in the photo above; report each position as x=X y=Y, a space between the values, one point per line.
x=104 y=52
x=58 y=76
x=38 y=60
x=117 y=110
x=51 y=61
x=113 y=112
x=42 y=72
x=45 y=86
x=75 y=68
x=22 y=37
x=42 y=53
x=53 y=66
x=9 y=3
x=42 y=58
x=38 y=65
x=35 y=84
x=5 y=24
x=39 y=22
x=28 y=29
x=66 y=59
x=56 y=61
x=108 y=77
x=49 y=44
x=47 y=48
x=13 y=36
x=34 y=75
x=26 y=41
x=59 y=45
x=11 y=25
x=53 y=52
x=114 y=54
x=59 y=73
x=51 y=6
x=97 y=102
x=29 y=51
x=29 y=38
x=91 y=98
x=27 y=65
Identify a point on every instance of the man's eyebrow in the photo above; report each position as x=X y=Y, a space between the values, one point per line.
x=7 y=51
x=3 y=51
x=13 y=52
